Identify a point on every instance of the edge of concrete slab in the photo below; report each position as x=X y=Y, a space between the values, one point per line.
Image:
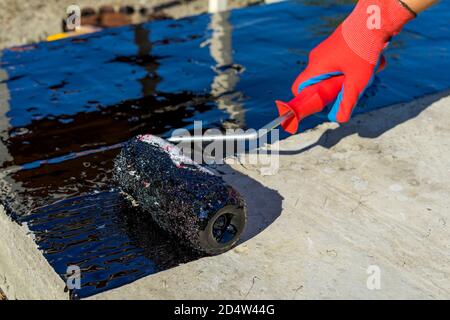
x=24 y=272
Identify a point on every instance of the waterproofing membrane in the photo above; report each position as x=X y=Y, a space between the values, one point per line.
x=68 y=106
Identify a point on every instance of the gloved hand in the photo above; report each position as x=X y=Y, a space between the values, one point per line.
x=354 y=50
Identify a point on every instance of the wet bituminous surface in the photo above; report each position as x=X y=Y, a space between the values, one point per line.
x=68 y=106
x=110 y=240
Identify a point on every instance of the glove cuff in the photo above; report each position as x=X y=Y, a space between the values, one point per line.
x=372 y=23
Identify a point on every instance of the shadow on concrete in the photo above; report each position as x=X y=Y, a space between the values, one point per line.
x=263 y=203
x=374 y=124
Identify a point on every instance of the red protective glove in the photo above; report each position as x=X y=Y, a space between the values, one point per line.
x=354 y=53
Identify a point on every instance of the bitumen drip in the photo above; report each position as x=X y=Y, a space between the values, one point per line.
x=68 y=107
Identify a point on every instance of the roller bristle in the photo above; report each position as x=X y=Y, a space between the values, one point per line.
x=180 y=195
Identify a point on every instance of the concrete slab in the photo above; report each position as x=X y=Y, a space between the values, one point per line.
x=363 y=200
x=24 y=272
x=36 y=19
x=348 y=204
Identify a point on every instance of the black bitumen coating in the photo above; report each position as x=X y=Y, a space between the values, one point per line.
x=180 y=195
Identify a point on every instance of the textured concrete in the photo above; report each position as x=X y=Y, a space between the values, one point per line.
x=370 y=195
x=24 y=22
x=24 y=272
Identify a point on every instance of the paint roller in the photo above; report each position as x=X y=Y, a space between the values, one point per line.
x=189 y=200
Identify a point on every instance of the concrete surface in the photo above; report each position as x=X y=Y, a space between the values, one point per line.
x=24 y=272
x=30 y=21
x=367 y=197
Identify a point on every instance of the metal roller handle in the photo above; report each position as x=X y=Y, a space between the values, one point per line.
x=235 y=137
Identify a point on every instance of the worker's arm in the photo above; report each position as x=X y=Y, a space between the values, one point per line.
x=419 y=5
x=354 y=53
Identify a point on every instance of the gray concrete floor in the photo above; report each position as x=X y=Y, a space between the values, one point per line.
x=349 y=206
x=30 y=21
